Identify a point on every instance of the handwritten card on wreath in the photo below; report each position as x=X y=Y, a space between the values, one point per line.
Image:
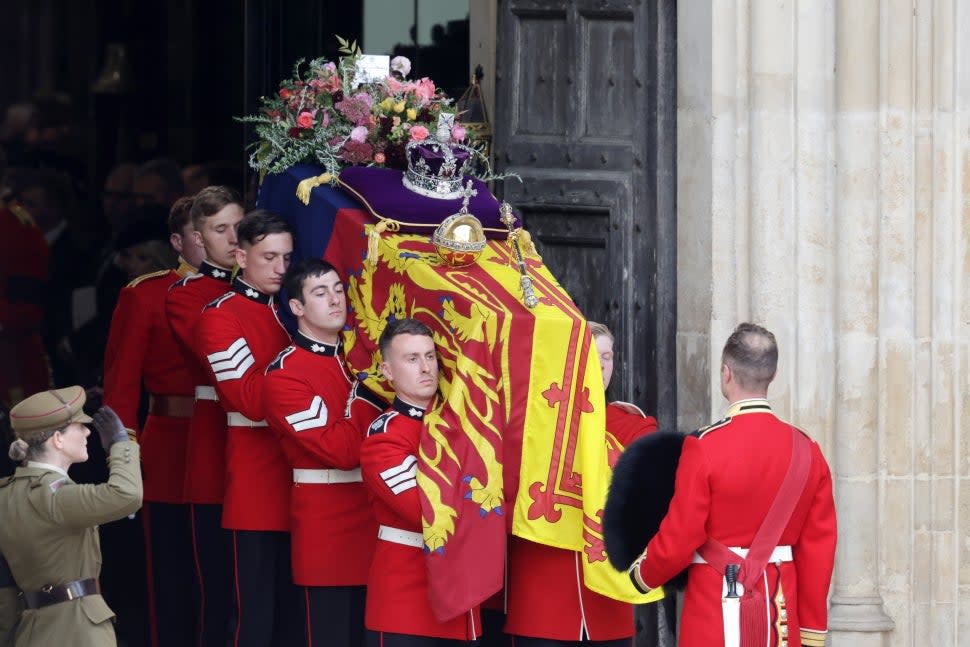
x=372 y=68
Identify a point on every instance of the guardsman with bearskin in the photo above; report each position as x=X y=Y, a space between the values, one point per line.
x=215 y=213
x=548 y=601
x=239 y=334
x=398 y=607
x=320 y=414
x=752 y=517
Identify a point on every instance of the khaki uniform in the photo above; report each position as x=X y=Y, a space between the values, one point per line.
x=50 y=537
x=9 y=605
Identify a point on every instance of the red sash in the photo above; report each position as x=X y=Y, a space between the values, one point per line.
x=754 y=620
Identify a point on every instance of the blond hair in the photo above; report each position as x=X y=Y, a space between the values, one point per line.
x=600 y=330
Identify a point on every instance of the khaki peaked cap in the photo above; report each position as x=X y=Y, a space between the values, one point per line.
x=48 y=410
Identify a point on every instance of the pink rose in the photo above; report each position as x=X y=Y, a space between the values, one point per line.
x=424 y=90
x=305 y=120
x=359 y=134
x=458 y=133
x=419 y=133
x=330 y=66
x=393 y=85
x=379 y=158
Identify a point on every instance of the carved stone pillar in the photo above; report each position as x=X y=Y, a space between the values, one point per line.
x=857 y=617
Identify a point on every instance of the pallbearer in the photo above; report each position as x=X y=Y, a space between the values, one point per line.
x=320 y=413
x=548 y=601
x=215 y=212
x=142 y=353
x=239 y=334
x=398 y=608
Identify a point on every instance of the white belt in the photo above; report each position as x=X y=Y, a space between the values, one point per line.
x=327 y=476
x=403 y=537
x=236 y=419
x=206 y=393
x=779 y=554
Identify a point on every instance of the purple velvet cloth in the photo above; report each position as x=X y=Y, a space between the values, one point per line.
x=381 y=192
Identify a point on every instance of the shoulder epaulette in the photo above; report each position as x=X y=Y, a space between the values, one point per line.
x=700 y=433
x=277 y=363
x=379 y=426
x=218 y=302
x=147 y=277
x=22 y=215
x=802 y=431
x=185 y=280
x=629 y=407
x=359 y=391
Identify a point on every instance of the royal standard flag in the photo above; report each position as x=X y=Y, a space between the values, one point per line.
x=517 y=441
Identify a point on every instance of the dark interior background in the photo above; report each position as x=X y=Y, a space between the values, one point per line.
x=187 y=67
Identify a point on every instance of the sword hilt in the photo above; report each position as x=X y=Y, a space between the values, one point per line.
x=731 y=577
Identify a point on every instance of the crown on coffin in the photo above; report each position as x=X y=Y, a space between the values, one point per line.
x=437 y=165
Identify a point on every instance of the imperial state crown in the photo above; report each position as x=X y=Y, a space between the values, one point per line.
x=437 y=165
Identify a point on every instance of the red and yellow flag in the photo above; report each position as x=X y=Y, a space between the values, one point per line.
x=521 y=417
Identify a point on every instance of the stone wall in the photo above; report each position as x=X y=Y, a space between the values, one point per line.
x=824 y=191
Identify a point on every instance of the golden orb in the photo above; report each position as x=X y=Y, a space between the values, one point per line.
x=459 y=239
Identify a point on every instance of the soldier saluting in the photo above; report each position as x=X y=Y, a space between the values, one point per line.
x=49 y=535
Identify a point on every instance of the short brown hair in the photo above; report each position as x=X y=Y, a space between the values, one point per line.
x=405 y=326
x=751 y=352
x=211 y=200
x=179 y=215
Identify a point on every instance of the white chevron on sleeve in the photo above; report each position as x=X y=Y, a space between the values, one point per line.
x=233 y=362
x=402 y=477
x=314 y=416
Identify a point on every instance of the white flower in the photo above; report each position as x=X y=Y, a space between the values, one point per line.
x=401 y=65
x=359 y=134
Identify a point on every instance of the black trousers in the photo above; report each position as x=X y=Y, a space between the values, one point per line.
x=523 y=641
x=168 y=544
x=385 y=639
x=271 y=610
x=335 y=615
x=124 y=584
x=215 y=606
x=493 y=629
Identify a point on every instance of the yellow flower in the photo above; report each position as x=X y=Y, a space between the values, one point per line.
x=399 y=106
x=387 y=103
x=412 y=114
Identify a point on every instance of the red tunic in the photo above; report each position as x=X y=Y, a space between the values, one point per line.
x=547 y=596
x=142 y=351
x=205 y=461
x=305 y=395
x=23 y=273
x=727 y=478
x=397 y=589
x=239 y=334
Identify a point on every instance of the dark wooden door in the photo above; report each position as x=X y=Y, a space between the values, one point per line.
x=585 y=101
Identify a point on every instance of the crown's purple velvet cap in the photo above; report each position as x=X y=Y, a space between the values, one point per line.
x=389 y=198
x=434 y=158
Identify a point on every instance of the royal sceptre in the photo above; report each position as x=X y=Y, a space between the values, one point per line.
x=528 y=293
